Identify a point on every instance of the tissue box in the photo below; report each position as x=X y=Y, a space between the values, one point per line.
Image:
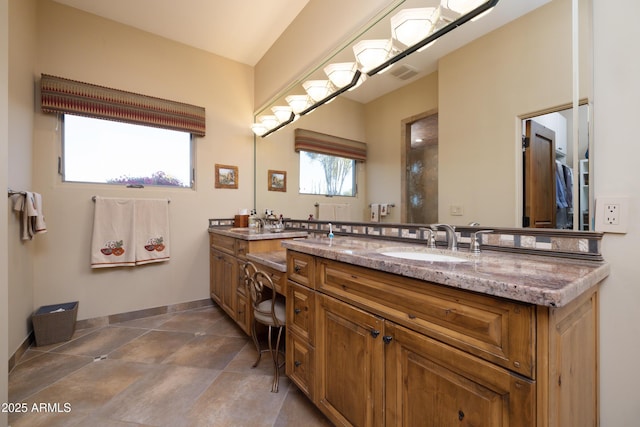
x=54 y=323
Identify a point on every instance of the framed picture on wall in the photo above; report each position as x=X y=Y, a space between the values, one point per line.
x=277 y=180
x=226 y=176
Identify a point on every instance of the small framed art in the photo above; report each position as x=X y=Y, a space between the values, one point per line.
x=226 y=176
x=277 y=180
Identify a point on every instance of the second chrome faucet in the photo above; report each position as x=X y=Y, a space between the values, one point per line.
x=452 y=240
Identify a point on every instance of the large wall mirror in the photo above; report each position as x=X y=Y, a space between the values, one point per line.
x=483 y=82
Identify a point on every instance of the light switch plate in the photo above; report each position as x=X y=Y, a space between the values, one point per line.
x=612 y=214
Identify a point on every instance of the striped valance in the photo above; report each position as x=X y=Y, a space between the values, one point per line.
x=60 y=95
x=316 y=142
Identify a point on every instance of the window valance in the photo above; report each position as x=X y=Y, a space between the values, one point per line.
x=60 y=95
x=316 y=142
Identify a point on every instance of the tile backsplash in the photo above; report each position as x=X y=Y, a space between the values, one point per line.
x=548 y=242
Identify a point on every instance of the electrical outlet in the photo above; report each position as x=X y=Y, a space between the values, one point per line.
x=456 y=210
x=611 y=214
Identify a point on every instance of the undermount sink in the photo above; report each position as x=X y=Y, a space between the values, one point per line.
x=425 y=256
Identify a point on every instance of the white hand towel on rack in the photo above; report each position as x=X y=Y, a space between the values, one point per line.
x=112 y=243
x=327 y=211
x=152 y=231
x=35 y=212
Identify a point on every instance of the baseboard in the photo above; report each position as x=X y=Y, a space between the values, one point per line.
x=28 y=342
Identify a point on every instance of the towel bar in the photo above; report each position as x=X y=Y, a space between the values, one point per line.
x=94 y=199
x=11 y=192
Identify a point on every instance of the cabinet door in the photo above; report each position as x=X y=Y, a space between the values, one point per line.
x=215 y=275
x=350 y=364
x=299 y=363
x=429 y=383
x=224 y=276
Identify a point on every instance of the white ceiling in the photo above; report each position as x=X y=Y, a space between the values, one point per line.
x=241 y=30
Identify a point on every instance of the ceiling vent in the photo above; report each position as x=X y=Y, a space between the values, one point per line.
x=403 y=72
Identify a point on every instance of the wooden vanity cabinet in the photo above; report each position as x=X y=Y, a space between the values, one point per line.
x=226 y=275
x=389 y=350
x=300 y=338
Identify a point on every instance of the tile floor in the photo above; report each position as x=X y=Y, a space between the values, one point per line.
x=190 y=368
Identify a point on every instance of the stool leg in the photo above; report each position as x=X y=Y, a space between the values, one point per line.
x=276 y=365
x=255 y=341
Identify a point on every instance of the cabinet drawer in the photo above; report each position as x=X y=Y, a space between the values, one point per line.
x=301 y=311
x=301 y=268
x=222 y=243
x=278 y=278
x=300 y=359
x=495 y=329
x=241 y=248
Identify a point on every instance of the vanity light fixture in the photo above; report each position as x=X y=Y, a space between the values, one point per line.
x=318 y=89
x=371 y=53
x=269 y=121
x=416 y=29
x=461 y=6
x=478 y=8
x=409 y=26
x=341 y=73
x=292 y=118
x=259 y=129
x=298 y=103
x=282 y=113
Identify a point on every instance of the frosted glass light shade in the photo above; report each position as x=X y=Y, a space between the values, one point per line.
x=318 y=89
x=462 y=6
x=282 y=113
x=341 y=73
x=409 y=26
x=259 y=129
x=371 y=53
x=299 y=103
x=269 y=121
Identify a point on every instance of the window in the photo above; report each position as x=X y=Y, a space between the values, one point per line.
x=105 y=151
x=327 y=175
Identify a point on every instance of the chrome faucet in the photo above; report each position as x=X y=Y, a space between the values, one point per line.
x=452 y=240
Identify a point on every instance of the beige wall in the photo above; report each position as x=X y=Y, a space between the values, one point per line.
x=80 y=46
x=343 y=118
x=4 y=156
x=21 y=113
x=616 y=173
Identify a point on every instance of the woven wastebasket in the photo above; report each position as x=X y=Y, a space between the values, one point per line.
x=54 y=323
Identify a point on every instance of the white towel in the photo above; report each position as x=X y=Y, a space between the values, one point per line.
x=36 y=213
x=327 y=211
x=112 y=243
x=384 y=209
x=375 y=212
x=343 y=211
x=152 y=231
x=29 y=206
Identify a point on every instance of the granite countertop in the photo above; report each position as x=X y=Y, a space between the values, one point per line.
x=247 y=233
x=540 y=280
x=276 y=259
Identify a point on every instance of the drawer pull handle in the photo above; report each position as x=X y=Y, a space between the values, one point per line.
x=375 y=333
x=297 y=310
x=297 y=363
x=460 y=415
x=387 y=339
x=297 y=268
